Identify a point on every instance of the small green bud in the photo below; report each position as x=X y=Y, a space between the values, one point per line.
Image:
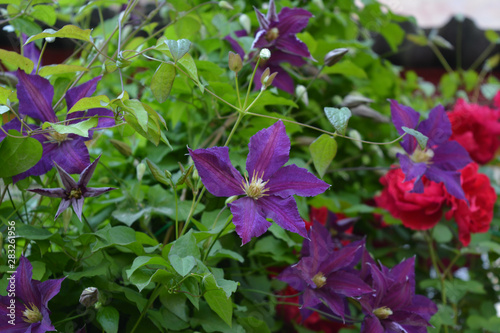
x=140 y=169
x=225 y=5
x=245 y=22
x=231 y=199
x=235 y=63
x=301 y=93
x=267 y=79
x=334 y=56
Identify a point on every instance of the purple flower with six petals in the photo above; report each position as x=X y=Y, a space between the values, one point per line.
x=394 y=307
x=269 y=191
x=441 y=159
x=25 y=308
x=73 y=193
x=326 y=275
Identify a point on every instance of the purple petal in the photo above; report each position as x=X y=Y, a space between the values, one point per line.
x=284 y=212
x=412 y=171
x=292 y=44
x=437 y=127
x=450 y=179
x=291 y=179
x=30 y=51
x=347 y=284
x=379 y=284
x=403 y=115
x=291 y=276
x=71 y=155
x=96 y=191
x=292 y=20
x=404 y=271
x=409 y=318
x=310 y=298
x=277 y=57
x=83 y=90
x=35 y=97
x=14 y=124
x=235 y=45
x=50 y=192
x=260 y=40
x=399 y=294
x=319 y=243
x=67 y=181
x=25 y=288
x=62 y=207
x=45 y=325
x=342 y=258
x=271 y=12
x=423 y=306
x=451 y=156
x=48 y=289
x=268 y=151
x=335 y=302
x=372 y=324
x=248 y=219
x=263 y=22
x=78 y=206
x=87 y=173
x=216 y=171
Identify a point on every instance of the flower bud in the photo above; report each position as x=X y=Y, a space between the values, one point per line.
x=267 y=79
x=245 y=23
x=231 y=199
x=235 y=63
x=265 y=54
x=89 y=296
x=334 y=56
x=301 y=93
x=225 y=5
x=50 y=39
x=140 y=169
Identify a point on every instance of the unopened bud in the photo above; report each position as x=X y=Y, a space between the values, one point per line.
x=140 y=169
x=265 y=54
x=301 y=93
x=122 y=147
x=50 y=39
x=168 y=174
x=235 y=63
x=334 y=56
x=89 y=296
x=225 y=5
x=245 y=22
x=267 y=79
x=231 y=199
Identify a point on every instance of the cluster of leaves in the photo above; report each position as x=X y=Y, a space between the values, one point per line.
x=160 y=249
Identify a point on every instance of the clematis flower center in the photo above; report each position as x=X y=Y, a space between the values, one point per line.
x=75 y=193
x=319 y=280
x=420 y=155
x=58 y=137
x=272 y=34
x=32 y=314
x=256 y=188
x=382 y=312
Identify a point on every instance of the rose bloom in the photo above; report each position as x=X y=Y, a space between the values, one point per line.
x=477 y=129
x=477 y=216
x=418 y=211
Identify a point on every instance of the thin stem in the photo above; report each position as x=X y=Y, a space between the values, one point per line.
x=329 y=315
x=87 y=223
x=251 y=81
x=483 y=56
x=237 y=89
x=153 y=297
x=14 y=206
x=326 y=132
x=40 y=58
x=441 y=58
x=71 y=318
x=176 y=209
x=255 y=100
x=238 y=120
x=229 y=219
x=307 y=88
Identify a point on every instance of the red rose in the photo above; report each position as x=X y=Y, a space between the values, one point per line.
x=477 y=216
x=418 y=211
x=477 y=129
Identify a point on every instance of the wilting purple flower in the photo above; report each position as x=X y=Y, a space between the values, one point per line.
x=440 y=160
x=393 y=306
x=73 y=193
x=25 y=308
x=35 y=96
x=279 y=30
x=326 y=275
x=269 y=191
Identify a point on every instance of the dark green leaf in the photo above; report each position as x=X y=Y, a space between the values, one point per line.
x=323 y=151
x=18 y=154
x=108 y=317
x=338 y=118
x=162 y=81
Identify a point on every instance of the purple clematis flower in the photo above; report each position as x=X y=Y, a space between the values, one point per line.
x=73 y=192
x=326 y=276
x=68 y=150
x=25 y=308
x=269 y=191
x=394 y=307
x=442 y=158
x=279 y=30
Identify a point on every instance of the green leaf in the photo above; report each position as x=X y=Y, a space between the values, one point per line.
x=323 y=151
x=135 y=107
x=442 y=233
x=346 y=68
x=420 y=40
x=157 y=173
x=182 y=265
x=162 y=81
x=44 y=13
x=185 y=245
x=18 y=154
x=90 y=103
x=146 y=260
x=4 y=95
x=68 y=31
x=61 y=69
x=217 y=300
x=178 y=48
x=492 y=36
x=421 y=139
x=338 y=118
x=81 y=128
x=119 y=235
x=27 y=231
x=189 y=65
x=449 y=84
x=393 y=34
x=108 y=317
x=17 y=60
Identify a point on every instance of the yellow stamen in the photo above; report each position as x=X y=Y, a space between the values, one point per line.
x=319 y=280
x=383 y=312
x=272 y=34
x=420 y=155
x=256 y=188
x=32 y=314
x=75 y=193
